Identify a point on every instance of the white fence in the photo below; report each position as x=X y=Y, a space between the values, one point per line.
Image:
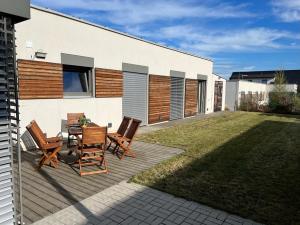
x=235 y=90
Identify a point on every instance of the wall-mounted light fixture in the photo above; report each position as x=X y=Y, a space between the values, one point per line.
x=40 y=54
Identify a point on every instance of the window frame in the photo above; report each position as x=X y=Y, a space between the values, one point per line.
x=90 y=82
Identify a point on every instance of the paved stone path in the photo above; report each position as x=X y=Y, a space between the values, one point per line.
x=129 y=203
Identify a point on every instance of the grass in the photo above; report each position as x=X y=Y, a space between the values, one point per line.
x=243 y=163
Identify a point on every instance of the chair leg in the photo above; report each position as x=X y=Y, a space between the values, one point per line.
x=126 y=151
x=69 y=141
x=42 y=161
x=104 y=163
x=53 y=155
x=80 y=167
x=109 y=144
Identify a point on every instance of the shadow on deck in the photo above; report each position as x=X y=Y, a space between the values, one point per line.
x=49 y=190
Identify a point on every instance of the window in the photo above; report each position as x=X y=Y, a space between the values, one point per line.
x=77 y=81
x=264 y=81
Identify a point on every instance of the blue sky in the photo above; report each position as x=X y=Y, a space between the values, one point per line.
x=237 y=35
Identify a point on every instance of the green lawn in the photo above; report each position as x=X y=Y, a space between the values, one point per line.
x=243 y=163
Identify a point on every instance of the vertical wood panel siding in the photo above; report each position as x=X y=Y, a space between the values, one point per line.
x=159 y=98
x=191 y=97
x=109 y=83
x=39 y=80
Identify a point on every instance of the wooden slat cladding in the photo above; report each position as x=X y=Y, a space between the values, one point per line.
x=159 y=98
x=109 y=83
x=191 y=97
x=40 y=80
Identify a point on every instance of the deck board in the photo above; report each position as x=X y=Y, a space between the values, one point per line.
x=49 y=190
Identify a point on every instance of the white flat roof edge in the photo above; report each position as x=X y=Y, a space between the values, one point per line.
x=219 y=76
x=114 y=31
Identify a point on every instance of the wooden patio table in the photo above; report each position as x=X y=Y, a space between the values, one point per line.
x=77 y=131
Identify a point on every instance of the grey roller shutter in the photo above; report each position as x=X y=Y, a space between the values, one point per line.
x=135 y=96
x=177 y=93
x=9 y=120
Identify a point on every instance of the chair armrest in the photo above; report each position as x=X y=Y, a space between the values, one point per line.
x=122 y=139
x=54 y=139
x=52 y=145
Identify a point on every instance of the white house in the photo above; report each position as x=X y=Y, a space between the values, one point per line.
x=69 y=65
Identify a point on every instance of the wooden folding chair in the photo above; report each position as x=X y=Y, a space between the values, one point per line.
x=121 y=131
x=50 y=147
x=73 y=126
x=92 y=148
x=123 y=143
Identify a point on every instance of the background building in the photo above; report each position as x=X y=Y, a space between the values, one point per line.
x=267 y=77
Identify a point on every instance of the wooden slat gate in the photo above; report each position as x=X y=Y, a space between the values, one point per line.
x=218 y=96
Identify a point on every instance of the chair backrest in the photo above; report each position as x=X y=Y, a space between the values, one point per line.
x=73 y=118
x=124 y=125
x=94 y=135
x=37 y=134
x=133 y=127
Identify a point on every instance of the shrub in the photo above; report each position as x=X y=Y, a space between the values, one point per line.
x=280 y=100
x=297 y=103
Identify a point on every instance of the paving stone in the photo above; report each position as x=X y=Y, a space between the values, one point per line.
x=168 y=222
x=173 y=217
x=182 y=213
x=233 y=222
x=139 y=216
x=185 y=223
x=214 y=220
x=208 y=222
x=158 y=220
x=214 y=214
x=162 y=213
x=116 y=218
x=150 y=219
x=127 y=221
x=222 y=216
x=192 y=222
x=194 y=215
x=143 y=213
x=179 y=219
x=201 y=218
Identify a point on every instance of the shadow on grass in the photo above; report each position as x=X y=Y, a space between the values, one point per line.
x=255 y=175
x=291 y=115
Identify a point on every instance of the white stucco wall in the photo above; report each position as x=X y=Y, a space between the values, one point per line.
x=231 y=95
x=289 y=87
x=55 y=34
x=50 y=113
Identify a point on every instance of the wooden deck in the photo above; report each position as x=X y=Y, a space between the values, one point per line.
x=49 y=190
